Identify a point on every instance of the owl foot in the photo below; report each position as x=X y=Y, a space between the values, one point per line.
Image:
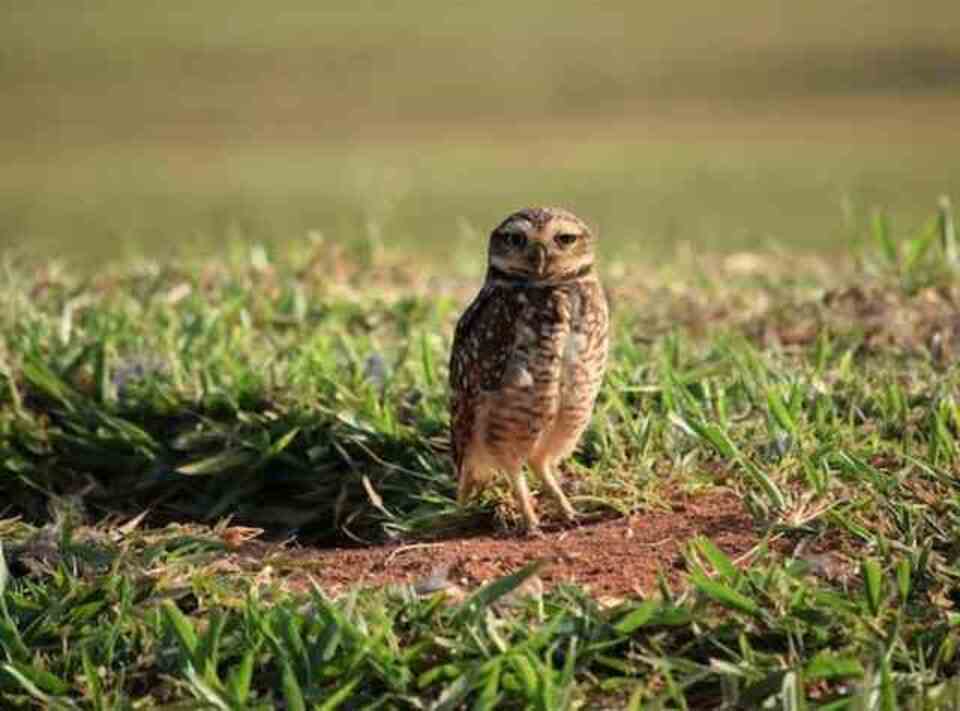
x=522 y=493
x=552 y=486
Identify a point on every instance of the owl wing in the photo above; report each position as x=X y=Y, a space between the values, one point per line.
x=482 y=346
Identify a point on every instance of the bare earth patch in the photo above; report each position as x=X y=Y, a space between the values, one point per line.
x=618 y=557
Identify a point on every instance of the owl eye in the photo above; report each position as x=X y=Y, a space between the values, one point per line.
x=565 y=239
x=517 y=240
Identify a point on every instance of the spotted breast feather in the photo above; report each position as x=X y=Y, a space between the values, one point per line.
x=482 y=347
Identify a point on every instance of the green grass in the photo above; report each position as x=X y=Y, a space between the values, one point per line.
x=266 y=220
x=303 y=390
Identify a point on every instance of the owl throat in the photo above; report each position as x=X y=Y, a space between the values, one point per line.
x=512 y=279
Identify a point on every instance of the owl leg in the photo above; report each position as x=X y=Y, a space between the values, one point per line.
x=519 y=481
x=542 y=468
x=465 y=489
x=466 y=485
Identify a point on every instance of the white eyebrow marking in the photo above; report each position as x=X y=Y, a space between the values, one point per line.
x=517 y=224
x=567 y=226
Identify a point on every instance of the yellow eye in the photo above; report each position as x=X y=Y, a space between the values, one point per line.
x=565 y=239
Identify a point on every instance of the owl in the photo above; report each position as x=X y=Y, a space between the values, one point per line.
x=528 y=356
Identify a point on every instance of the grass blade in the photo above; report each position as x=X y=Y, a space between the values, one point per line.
x=948 y=232
x=724 y=594
x=292 y=693
x=490 y=593
x=872 y=584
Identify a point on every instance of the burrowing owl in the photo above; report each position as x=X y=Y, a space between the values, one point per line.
x=528 y=355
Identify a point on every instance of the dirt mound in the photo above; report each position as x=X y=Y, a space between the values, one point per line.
x=618 y=557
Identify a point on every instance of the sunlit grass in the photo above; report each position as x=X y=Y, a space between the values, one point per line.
x=235 y=239
x=302 y=391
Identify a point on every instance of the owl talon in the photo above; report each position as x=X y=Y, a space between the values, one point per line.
x=544 y=471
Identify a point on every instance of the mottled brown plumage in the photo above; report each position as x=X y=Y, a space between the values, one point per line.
x=528 y=355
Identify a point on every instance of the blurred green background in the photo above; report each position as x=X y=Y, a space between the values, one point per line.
x=167 y=128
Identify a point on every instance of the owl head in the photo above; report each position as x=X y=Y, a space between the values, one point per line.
x=541 y=244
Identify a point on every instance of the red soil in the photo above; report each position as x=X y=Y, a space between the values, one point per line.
x=612 y=558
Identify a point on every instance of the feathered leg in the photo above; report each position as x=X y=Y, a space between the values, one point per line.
x=542 y=468
x=466 y=485
x=522 y=492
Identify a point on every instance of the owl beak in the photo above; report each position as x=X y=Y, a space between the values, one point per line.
x=538 y=258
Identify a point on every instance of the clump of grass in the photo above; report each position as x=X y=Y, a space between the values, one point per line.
x=163 y=626
x=260 y=389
